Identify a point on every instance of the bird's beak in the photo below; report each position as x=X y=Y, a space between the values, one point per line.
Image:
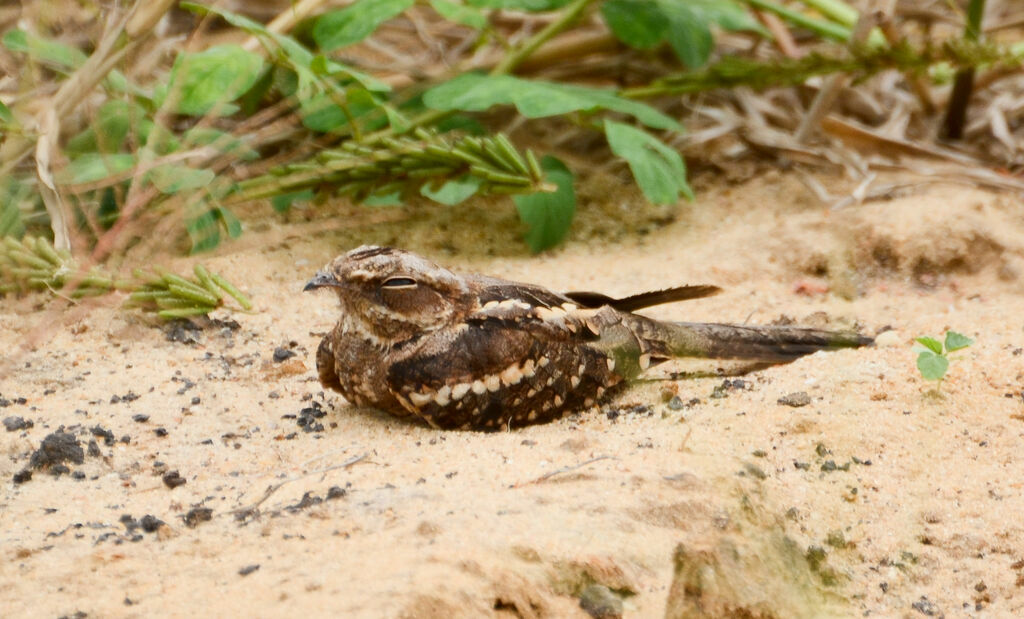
x=320 y=280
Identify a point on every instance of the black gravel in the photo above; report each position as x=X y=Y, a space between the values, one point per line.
x=56 y=448
x=13 y=424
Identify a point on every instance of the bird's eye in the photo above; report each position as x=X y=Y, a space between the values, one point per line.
x=399 y=282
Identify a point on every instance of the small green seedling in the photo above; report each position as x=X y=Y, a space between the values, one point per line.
x=933 y=355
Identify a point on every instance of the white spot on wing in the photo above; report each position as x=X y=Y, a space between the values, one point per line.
x=511 y=375
x=419 y=399
x=460 y=390
x=442 y=397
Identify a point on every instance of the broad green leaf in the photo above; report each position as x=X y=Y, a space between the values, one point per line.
x=284 y=201
x=460 y=13
x=658 y=169
x=44 y=50
x=639 y=24
x=689 y=36
x=171 y=178
x=957 y=341
x=454 y=191
x=473 y=92
x=548 y=215
x=92 y=167
x=202 y=81
x=684 y=24
x=5 y=114
x=930 y=343
x=931 y=365
x=355 y=22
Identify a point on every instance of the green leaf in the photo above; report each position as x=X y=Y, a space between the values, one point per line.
x=205 y=230
x=726 y=14
x=689 y=36
x=14 y=194
x=461 y=122
x=931 y=365
x=321 y=66
x=5 y=114
x=453 y=191
x=460 y=13
x=473 y=92
x=391 y=198
x=202 y=81
x=930 y=343
x=114 y=121
x=658 y=169
x=321 y=112
x=284 y=201
x=355 y=22
x=47 y=51
x=92 y=167
x=644 y=24
x=520 y=5
x=957 y=341
x=171 y=178
x=639 y=24
x=231 y=223
x=548 y=215
x=398 y=121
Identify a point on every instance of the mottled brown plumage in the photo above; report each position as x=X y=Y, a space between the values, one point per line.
x=477 y=352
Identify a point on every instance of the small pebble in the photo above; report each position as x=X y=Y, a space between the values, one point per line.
x=888 y=339
x=600 y=602
x=283 y=354
x=173 y=479
x=796 y=399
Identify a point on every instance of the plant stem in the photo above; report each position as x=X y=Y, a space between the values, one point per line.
x=956 y=113
x=564 y=20
x=825 y=29
x=836 y=10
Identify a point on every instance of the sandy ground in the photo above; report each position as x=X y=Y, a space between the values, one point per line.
x=877 y=498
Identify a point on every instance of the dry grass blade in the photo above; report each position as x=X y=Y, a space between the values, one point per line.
x=46 y=146
x=564 y=469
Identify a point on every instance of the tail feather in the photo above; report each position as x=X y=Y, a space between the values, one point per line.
x=751 y=343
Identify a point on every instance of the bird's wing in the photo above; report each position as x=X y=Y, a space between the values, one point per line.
x=644 y=299
x=504 y=365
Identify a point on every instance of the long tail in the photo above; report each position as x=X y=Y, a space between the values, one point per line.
x=634 y=343
x=751 y=343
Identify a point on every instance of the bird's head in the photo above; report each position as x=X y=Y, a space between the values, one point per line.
x=390 y=295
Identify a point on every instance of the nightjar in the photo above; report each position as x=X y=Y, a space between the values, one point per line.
x=467 y=351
